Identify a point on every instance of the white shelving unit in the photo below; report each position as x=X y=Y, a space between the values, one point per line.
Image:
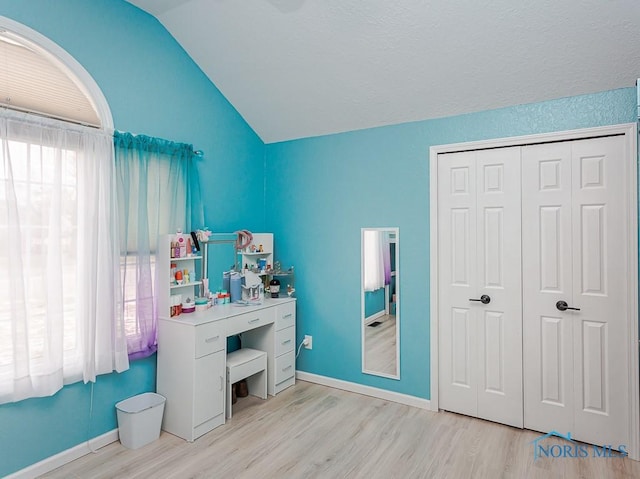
x=251 y=260
x=167 y=286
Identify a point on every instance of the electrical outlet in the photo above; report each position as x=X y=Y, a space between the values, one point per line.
x=308 y=341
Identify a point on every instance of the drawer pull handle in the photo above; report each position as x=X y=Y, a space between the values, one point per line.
x=254 y=320
x=286 y=342
x=221 y=383
x=287 y=315
x=288 y=367
x=210 y=340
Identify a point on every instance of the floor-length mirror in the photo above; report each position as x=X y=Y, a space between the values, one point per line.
x=380 y=294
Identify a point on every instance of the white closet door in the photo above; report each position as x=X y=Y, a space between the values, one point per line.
x=479 y=241
x=546 y=266
x=599 y=264
x=575 y=251
x=458 y=378
x=498 y=253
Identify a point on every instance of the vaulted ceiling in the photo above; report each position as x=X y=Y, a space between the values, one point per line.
x=301 y=68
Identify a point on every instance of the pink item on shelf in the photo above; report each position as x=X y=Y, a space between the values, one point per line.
x=188 y=307
x=244 y=239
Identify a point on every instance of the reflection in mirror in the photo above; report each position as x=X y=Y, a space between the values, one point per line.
x=380 y=294
x=219 y=255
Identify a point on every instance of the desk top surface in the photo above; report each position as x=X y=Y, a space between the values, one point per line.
x=217 y=313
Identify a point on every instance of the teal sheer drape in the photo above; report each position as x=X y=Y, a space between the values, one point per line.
x=158 y=193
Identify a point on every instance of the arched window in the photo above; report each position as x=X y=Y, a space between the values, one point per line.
x=60 y=314
x=38 y=76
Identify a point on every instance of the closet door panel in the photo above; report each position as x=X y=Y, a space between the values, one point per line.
x=547 y=279
x=599 y=262
x=461 y=366
x=499 y=276
x=457 y=273
x=553 y=388
x=575 y=362
x=479 y=252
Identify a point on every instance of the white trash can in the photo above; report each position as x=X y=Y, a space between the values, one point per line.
x=139 y=419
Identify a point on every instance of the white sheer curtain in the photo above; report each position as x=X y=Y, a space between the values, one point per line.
x=373 y=258
x=60 y=319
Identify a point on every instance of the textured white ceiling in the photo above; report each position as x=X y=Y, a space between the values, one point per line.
x=300 y=68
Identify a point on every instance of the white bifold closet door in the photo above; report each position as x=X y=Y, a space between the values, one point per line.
x=574 y=241
x=479 y=255
x=542 y=231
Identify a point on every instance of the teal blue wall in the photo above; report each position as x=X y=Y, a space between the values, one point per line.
x=373 y=302
x=329 y=187
x=325 y=190
x=152 y=88
x=37 y=428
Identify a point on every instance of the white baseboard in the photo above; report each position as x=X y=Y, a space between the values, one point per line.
x=366 y=390
x=370 y=319
x=64 y=457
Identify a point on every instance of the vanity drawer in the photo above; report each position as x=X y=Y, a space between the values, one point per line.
x=285 y=315
x=209 y=339
x=285 y=366
x=248 y=321
x=285 y=340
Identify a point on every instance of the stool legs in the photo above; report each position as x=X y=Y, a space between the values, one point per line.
x=249 y=365
x=258 y=384
x=229 y=398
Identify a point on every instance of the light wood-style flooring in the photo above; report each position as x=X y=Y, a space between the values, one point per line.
x=313 y=431
x=380 y=346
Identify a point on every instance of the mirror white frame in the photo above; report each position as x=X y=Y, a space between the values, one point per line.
x=380 y=343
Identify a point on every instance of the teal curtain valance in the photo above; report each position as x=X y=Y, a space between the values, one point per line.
x=182 y=161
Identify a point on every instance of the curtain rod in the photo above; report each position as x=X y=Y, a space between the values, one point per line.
x=8 y=107
x=198 y=153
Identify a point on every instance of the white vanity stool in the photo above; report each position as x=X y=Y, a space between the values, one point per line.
x=249 y=364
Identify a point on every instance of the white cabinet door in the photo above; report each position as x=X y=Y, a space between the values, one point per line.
x=479 y=253
x=208 y=392
x=575 y=244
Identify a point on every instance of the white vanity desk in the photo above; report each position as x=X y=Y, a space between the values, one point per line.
x=192 y=353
